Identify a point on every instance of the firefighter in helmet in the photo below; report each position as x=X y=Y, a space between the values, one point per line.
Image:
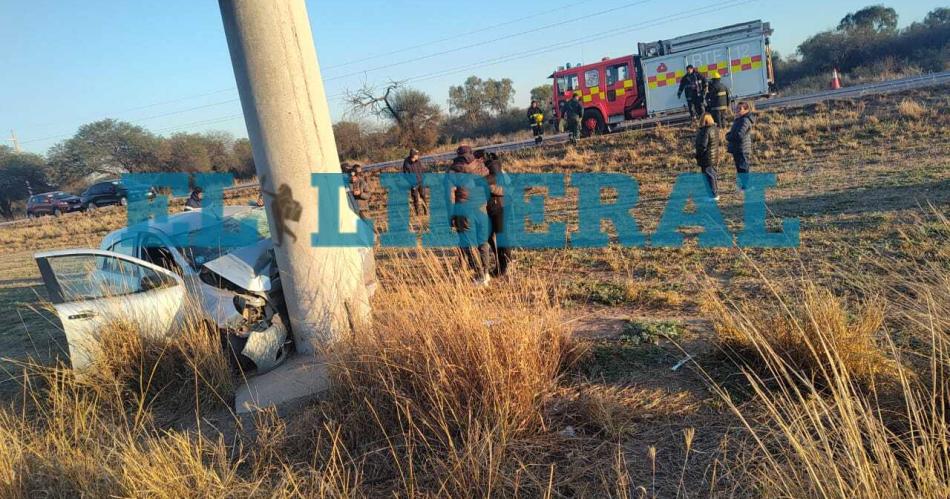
x=574 y=114
x=694 y=85
x=536 y=120
x=717 y=99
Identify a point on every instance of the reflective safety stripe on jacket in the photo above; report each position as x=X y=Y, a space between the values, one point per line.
x=721 y=97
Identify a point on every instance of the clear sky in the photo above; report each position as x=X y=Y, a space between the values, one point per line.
x=165 y=65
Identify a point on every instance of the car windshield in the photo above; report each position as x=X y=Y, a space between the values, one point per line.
x=210 y=243
x=61 y=195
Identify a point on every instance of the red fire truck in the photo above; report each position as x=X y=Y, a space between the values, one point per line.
x=633 y=87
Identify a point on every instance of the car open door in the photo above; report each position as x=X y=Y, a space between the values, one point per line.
x=93 y=290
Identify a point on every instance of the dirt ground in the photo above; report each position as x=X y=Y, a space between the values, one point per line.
x=859 y=175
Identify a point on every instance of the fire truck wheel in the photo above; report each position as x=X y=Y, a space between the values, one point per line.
x=593 y=123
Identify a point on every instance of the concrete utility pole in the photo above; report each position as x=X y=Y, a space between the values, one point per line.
x=16 y=143
x=288 y=122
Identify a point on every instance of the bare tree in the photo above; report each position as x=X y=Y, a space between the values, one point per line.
x=412 y=114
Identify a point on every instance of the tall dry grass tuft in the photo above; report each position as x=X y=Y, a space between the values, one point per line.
x=98 y=433
x=812 y=332
x=451 y=378
x=821 y=430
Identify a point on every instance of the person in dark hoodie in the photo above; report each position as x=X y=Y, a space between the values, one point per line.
x=194 y=200
x=739 y=140
x=413 y=165
x=707 y=152
x=496 y=214
x=473 y=232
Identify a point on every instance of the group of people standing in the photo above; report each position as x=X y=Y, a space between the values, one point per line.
x=739 y=144
x=573 y=115
x=479 y=242
x=705 y=96
x=708 y=100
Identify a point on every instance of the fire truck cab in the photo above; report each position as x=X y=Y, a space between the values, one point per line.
x=611 y=91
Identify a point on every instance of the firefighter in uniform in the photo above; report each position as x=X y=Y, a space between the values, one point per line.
x=536 y=119
x=574 y=114
x=717 y=99
x=694 y=85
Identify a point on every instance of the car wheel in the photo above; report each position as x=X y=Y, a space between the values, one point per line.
x=124 y=201
x=91 y=207
x=30 y=215
x=57 y=212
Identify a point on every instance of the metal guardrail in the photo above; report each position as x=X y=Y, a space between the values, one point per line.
x=874 y=88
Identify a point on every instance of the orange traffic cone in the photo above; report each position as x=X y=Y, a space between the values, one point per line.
x=835 y=80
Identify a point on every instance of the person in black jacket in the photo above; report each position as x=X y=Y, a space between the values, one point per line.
x=536 y=120
x=413 y=165
x=694 y=85
x=717 y=99
x=707 y=152
x=194 y=200
x=496 y=214
x=740 y=139
x=573 y=114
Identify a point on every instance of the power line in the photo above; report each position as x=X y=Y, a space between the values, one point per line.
x=438 y=74
x=457 y=36
x=686 y=14
x=506 y=37
x=232 y=89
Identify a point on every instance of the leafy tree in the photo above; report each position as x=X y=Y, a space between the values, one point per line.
x=242 y=159
x=477 y=100
x=543 y=94
x=104 y=147
x=468 y=100
x=21 y=174
x=937 y=17
x=876 y=18
x=185 y=152
x=499 y=94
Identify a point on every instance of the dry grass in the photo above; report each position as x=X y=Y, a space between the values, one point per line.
x=822 y=421
x=815 y=333
x=911 y=109
x=446 y=394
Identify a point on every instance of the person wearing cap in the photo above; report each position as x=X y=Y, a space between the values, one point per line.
x=717 y=99
x=473 y=232
x=694 y=85
x=413 y=165
x=194 y=200
x=574 y=114
x=536 y=120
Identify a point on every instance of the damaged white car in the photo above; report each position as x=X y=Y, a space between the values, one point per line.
x=148 y=274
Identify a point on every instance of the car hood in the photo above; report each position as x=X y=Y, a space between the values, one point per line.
x=248 y=267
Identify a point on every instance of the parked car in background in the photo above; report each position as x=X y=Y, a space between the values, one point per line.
x=108 y=193
x=52 y=203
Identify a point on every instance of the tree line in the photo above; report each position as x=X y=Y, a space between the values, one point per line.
x=868 y=42
x=382 y=123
